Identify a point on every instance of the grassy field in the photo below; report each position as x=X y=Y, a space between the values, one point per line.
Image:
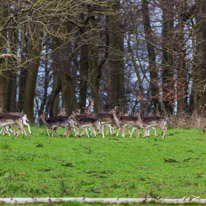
x=40 y=166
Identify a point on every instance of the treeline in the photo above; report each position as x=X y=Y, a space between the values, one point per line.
x=135 y=54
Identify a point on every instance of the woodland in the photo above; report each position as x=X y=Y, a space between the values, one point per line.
x=147 y=55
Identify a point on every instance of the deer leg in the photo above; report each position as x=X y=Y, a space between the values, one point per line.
x=131 y=133
x=29 y=129
x=133 y=130
x=103 y=128
x=48 y=131
x=87 y=133
x=92 y=130
x=164 y=132
x=155 y=131
x=107 y=131
x=68 y=132
x=122 y=130
x=146 y=132
x=75 y=129
x=11 y=128
x=83 y=132
x=16 y=132
x=22 y=129
x=102 y=132
x=138 y=133
x=7 y=130
x=111 y=129
x=76 y=132
x=3 y=131
x=52 y=132
x=117 y=132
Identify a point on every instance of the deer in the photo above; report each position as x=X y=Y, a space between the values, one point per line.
x=54 y=123
x=85 y=121
x=5 y=130
x=154 y=121
x=106 y=118
x=7 y=119
x=24 y=119
x=127 y=122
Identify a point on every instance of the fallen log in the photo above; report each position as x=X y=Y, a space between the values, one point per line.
x=19 y=200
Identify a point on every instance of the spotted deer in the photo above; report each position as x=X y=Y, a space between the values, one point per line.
x=155 y=121
x=127 y=122
x=7 y=119
x=53 y=123
x=87 y=122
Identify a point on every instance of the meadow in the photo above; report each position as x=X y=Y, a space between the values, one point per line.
x=41 y=166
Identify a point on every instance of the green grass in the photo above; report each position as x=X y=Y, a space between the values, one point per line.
x=40 y=166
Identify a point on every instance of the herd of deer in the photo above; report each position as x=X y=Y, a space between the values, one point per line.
x=87 y=121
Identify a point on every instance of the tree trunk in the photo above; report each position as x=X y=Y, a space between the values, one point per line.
x=95 y=66
x=3 y=15
x=151 y=57
x=84 y=69
x=68 y=95
x=95 y=80
x=182 y=85
x=34 y=56
x=46 y=84
x=115 y=60
x=24 y=44
x=55 y=91
x=194 y=95
x=167 y=56
x=201 y=52
x=10 y=80
x=30 y=89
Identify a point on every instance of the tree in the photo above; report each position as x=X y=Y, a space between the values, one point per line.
x=3 y=14
x=34 y=52
x=201 y=51
x=151 y=56
x=115 y=61
x=168 y=80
